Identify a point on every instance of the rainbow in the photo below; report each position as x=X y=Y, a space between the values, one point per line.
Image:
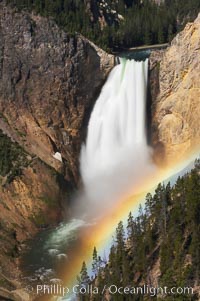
x=100 y=234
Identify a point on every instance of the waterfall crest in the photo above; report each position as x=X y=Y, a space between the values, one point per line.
x=116 y=150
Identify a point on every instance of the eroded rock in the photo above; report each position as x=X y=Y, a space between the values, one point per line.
x=49 y=82
x=175 y=89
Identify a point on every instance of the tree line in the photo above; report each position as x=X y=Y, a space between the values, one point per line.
x=144 y=22
x=12 y=158
x=166 y=232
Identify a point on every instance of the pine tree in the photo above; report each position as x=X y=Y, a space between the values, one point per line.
x=175 y=210
x=95 y=262
x=161 y=38
x=84 y=278
x=144 y=22
x=130 y=226
x=120 y=240
x=148 y=204
x=170 y=33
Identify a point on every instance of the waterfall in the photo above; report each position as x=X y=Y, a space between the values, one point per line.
x=116 y=153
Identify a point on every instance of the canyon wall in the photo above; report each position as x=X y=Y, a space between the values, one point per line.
x=49 y=81
x=175 y=94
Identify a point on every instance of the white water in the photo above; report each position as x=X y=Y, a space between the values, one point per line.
x=116 y=153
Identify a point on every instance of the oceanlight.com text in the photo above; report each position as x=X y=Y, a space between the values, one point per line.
x=59 y=290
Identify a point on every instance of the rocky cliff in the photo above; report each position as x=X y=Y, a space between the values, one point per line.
x=175 y=92
x=49 y=82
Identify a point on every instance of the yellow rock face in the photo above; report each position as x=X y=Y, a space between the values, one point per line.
x=176 y=118
x=27 y=203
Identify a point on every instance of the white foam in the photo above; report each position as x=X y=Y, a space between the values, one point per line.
x=116 y=155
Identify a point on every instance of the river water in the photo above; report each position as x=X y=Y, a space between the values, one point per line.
x=45 y=255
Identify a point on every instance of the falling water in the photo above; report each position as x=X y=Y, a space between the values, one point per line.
x=116 y=153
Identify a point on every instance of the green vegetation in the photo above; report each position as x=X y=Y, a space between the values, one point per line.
x=144 y=22
x=49 y=201
x=84 y=279
x=166 y=231
x=3 y=117
x=39 y=219
x=4 y=282
x=12 y=158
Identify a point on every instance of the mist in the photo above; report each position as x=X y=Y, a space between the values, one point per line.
x=116 y=158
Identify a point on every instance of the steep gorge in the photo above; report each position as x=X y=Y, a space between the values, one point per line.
x=49 y=81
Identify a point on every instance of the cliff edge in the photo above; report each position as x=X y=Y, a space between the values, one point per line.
x=49 y=81
x=175 y=91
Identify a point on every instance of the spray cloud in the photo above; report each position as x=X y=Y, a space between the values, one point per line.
x=116 y=156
